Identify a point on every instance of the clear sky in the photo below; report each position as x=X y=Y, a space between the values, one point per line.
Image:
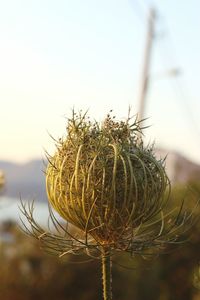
x=55 y=55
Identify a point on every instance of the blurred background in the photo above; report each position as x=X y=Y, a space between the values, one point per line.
x=96 y=56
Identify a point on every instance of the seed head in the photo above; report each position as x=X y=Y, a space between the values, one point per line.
x=110 y=187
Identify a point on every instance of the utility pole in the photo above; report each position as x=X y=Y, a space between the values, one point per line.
x=146 y=63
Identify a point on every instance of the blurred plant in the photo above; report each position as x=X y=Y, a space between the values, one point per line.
x=112 y=190
x=196 y=277
x=2 y=179
x=28 y=274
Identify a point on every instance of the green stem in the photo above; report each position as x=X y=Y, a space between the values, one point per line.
x=106 y=274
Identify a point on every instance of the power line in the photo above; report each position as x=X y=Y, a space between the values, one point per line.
x=181 y=94
x=169 y=58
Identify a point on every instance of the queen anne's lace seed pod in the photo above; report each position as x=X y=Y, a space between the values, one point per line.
x=103 y=181
x=111 y=188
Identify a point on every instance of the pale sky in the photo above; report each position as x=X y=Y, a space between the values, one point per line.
x=87 y=54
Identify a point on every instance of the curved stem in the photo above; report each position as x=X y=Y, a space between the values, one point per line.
x=106 y=274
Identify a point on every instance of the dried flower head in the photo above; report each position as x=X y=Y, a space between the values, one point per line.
x=111 y=188
x=112 y=193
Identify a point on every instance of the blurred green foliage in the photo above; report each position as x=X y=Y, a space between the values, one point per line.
x=27 y=273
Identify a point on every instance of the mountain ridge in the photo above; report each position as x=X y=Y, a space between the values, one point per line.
x=24 y=180
x=27 y=180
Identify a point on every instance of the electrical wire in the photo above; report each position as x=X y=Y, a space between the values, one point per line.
x=179 y=87
x=169 y=58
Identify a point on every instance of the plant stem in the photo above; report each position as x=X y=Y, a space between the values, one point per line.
x=106 y=274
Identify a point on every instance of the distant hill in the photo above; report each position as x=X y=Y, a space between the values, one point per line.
x=24 y=180
x=28 y=180
x=179 y=168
